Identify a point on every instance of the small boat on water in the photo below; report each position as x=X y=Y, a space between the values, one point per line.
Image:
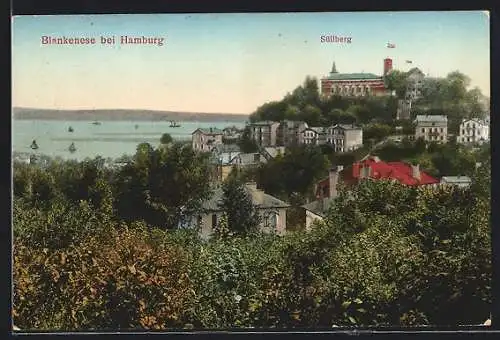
x=34 y=145
x=70 y=129
x=96 y=123
x=72 y=148
x=174 y=124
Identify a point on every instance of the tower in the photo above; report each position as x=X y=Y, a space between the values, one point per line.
x=334 y=68
x=387 y=65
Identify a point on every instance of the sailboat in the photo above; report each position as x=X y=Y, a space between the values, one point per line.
x=96 y=123
x=72 y=148
x=174 y=124
x=70 y=129
x=34 y=145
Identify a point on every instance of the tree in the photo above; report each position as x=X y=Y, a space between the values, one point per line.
x=376 y=131
x=295 y=172
x=162 y=185
x=166 y=139
x=242 y=216
x=397 y=81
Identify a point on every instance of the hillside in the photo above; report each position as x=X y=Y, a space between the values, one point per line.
x=123 y=114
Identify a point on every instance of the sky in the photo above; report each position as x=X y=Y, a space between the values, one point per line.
x=230 y=63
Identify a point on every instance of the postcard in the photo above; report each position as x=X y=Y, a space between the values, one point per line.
x=236 y=171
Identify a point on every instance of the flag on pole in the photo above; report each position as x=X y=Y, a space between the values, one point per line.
x=389 y=45
x=408 y=61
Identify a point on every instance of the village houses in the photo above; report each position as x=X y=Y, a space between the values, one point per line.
x=343 y=137
x=205 y=139
x=431 y=128
x=473 y=131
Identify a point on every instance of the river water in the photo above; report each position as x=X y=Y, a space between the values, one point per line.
x=110 y=139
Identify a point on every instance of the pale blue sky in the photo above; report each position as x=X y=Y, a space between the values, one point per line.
x=231 y=62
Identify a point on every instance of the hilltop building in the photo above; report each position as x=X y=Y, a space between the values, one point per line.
x=345 y=137
x=415 y=82
x=432 y=128
x=313 y=135
x=473 y=131
x=355 y=84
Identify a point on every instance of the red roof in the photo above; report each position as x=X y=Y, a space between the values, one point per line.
x=400 y=171
x=379 y=170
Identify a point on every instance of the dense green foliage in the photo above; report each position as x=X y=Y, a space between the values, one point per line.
x=305 y=104
x=385 y=255
x=162 y=185
x=438 y=160
x=166 y=139
x=449 y=96
x=294 y=173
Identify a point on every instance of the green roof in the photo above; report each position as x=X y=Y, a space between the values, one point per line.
x=209 y=131
x=352 y=76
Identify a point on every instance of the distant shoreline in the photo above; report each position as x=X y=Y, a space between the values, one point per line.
x=123 y=115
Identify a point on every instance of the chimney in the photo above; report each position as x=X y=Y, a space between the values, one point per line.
x=415 y=171
x=333 y=177
x=256 y=194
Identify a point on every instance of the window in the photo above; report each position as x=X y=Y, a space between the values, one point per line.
x=441 y=129
x=423 y=130
x=214 y=220
x=271 y=219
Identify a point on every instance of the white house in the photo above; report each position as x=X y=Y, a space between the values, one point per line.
x=432 y=128
x=473 y=131
x=313 y=136
x=345 y=137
